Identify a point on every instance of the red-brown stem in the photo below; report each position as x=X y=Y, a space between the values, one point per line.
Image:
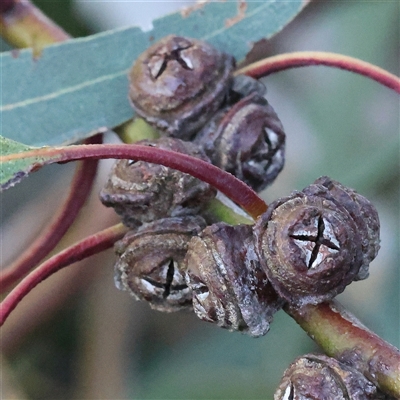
x=229 y=185
x=282 y=62
x=342 y=336
x=91 y=245
x=24 y=25
x=79 y=191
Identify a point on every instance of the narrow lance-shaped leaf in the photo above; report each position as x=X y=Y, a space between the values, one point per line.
x=77 y=87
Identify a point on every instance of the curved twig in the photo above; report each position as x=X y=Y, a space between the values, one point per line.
x=282 y=62
x=91 y=245
x=226 y=183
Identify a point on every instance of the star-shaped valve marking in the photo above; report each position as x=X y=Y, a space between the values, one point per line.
x=158 y=62
x=317 y=241
x=169 y=279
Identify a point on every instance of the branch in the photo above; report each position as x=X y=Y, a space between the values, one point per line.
x=282 y=62
x=80 y=189
x=342 y=336
x=91 y=245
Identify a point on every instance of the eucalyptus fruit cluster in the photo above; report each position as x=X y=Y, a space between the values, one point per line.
x=305 y=249
x=186 y=89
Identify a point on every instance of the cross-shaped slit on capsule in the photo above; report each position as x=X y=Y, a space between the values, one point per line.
x=158 y=63
x=168 y=285
x=318 y=246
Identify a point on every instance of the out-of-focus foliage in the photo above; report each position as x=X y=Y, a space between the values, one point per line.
x=64 y=15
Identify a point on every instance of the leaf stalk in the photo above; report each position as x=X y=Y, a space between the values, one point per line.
x=91 y=245
x=226 y=183
x=282 y=62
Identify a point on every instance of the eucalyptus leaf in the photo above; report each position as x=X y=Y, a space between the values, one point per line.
x=11 y=172
x=80 y=86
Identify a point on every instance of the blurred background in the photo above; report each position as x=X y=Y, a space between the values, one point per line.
x=77 y=337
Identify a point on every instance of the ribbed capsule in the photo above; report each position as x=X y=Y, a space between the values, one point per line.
x=229 y=287
x=179 y=83
x=142 y=192
x=319 y=377
x=313 y=243
x=150 y=262
x=247 y=140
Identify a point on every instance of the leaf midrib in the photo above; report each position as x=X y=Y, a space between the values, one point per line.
x=61 y=92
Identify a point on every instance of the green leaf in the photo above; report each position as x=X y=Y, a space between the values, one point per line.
x=80 y=86
x=12 y=172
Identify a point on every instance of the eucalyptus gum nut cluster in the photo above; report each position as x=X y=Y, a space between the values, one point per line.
x=143 y=192
x=320 y=377
x=185 y=88
x=179 y=83
x=311 y=246
x=229 y=287
x=247 y=140
x=150 y=262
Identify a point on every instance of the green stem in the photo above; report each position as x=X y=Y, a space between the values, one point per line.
x=224 y=212
x=135 y=130
x=342 y=336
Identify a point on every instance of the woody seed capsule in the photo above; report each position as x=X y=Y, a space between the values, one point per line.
x=229 y=287
x=150 y=262
x=314 y=376
x=313 y=243
x=179 y=83
x=143 y=192
x=247 y=140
